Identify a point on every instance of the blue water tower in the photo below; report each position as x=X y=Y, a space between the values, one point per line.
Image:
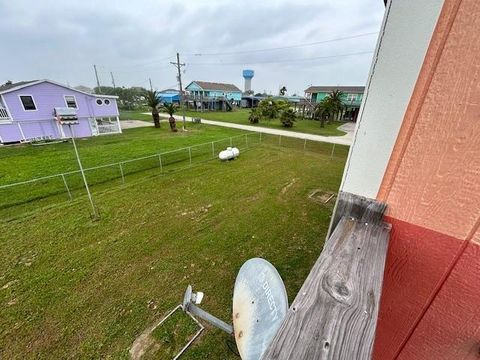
x=248 y=75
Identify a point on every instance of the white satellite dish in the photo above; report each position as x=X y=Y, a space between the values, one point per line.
x=260 y=304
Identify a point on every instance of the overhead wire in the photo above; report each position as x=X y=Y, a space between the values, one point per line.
x=282 y=47
x=284 y=60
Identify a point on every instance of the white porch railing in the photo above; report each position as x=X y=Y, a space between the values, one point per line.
x=108 y=128
x=4 y=114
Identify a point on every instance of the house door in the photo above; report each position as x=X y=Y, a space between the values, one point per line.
x=93 y=126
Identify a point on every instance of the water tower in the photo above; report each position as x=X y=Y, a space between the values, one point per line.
x=248 y=75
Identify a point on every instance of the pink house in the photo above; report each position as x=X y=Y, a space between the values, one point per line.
x=27 y=112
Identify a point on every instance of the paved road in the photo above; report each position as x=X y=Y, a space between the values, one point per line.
x=343 y=140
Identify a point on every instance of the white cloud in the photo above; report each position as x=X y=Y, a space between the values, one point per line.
x=62 y=40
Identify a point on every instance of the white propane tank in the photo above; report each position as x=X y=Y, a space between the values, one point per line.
x=229 y=154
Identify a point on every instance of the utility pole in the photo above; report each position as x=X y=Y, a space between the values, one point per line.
x=150 y=81
x=178 y=65
x=96 y=76
x=113 y=80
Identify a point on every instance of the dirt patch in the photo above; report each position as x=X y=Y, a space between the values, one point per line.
x=165 y=338
x=321 y=197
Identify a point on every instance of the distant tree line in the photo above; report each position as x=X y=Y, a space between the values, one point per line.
x=128 y=98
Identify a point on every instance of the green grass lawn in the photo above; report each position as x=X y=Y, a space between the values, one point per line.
x=23 y=162
x=135 y=115
x=240 y=116
x=72 y=288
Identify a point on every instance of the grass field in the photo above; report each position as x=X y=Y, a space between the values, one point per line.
x=22 y=162
x=74 y=288
x=135 y=115
x=240 y=116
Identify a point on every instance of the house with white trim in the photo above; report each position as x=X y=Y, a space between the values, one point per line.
x=27 y=112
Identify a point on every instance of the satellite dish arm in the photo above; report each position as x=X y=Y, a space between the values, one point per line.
x=190 y=307
x=195 y=310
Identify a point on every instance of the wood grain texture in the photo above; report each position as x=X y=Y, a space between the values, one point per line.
x=476 y=237
x=451 y=327
x=432 y=186
x=335 y=313
x=433 y=179
x=357 y=207
x=417 y=261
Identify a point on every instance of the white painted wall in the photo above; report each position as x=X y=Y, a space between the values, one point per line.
x=406 y=32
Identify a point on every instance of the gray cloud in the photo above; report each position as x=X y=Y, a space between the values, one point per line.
x=62 y=40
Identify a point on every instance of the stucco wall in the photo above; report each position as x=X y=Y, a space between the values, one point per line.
x=399 y=56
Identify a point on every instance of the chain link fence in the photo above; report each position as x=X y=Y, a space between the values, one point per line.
x=27 y=196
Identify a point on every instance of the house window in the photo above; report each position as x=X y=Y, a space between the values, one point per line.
x=99 y=102
x=351 y=97
x=28 y=103
x=106 y=102
x=71 y=101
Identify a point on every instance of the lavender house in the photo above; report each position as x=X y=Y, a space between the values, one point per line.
x=27 y=112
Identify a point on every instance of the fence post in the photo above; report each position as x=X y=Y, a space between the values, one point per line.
x=66 y=186
x=305 y=145
x=160 y=162
x=190 y=154
x=213 y=150
x=333 y=150
x=121 y=172
x=279 y=140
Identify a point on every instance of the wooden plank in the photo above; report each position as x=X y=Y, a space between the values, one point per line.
x=358 y=207
x=335 y=313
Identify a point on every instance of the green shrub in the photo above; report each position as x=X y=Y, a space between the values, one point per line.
x=287 y=118
x=254 y=116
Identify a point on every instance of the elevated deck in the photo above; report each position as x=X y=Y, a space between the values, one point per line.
x=335 y=313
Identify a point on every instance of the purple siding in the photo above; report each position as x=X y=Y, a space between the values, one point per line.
x=10 y=133
x=40 y=122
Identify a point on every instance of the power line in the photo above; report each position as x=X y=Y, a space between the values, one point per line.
x=285 y=47
x=146 y=64
x=282 y=61
x=143 y=67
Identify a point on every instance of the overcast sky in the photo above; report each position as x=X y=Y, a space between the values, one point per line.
x=61 y=40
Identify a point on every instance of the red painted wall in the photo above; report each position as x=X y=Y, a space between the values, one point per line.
x=450 y=329
x=430 y=307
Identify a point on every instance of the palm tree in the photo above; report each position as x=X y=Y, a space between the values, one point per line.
x=170 y=110
x=153 y=101
x=336 y=97
x=324 y=110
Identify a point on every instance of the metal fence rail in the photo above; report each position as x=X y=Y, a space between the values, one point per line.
x=68 y=185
